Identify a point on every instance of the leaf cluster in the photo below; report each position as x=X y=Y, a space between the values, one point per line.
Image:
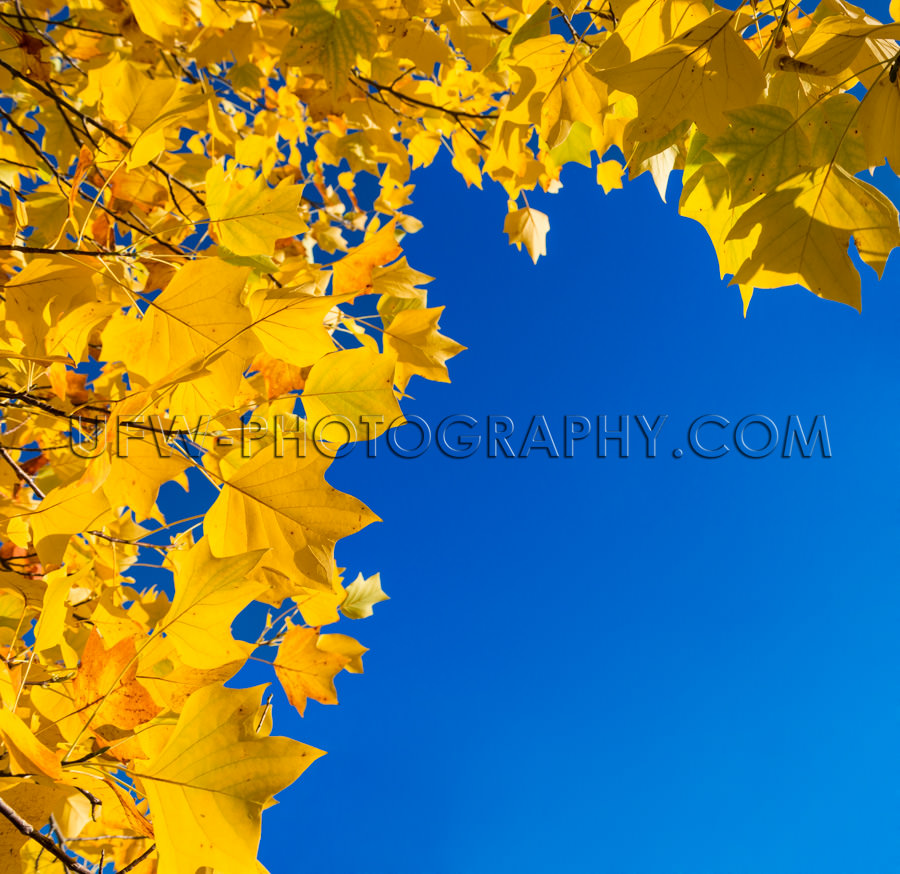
x=202 y=220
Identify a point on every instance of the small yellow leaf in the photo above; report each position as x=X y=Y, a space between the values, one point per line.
x=344 y=645
x=362 y=594
x=420 y=348
x=609 y=175
x=529 y=227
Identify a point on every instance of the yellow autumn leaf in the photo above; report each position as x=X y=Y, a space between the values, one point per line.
x=305 y=670
x=248 y=220
x=362 y=594
x=609 y=175
x=284 y=505
x=137 y=470
x=209 y=594
x=291 y=323
x=529 y=227
x=328 y=39
x=356 y=385
x=211 y=782
x=106 y=689
x=353 y=272
x=762 y=147
x=198 y=312
x=27 y=755
x=420 y=348
x=835 y=43
x=346 y=646
x=66 y=510
x=806 y=226
x=699 y=75
x=39 y=296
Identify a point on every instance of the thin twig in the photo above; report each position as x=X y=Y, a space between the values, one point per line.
x=43 y=250
x=138 y=860
x=406 y=98
x=20 y=473
x=62 y=103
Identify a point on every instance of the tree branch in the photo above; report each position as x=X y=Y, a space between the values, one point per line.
x=50 y=846
x=406 y=98
x=20 y=473
x=132 y=865
x=86 y=119
x=43 y=250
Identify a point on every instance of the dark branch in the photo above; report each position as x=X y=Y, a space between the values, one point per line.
x=50 y=846
x=406 y=98
x=131 y=866
x=62 y=103
x=20 y=473
x=43 y=250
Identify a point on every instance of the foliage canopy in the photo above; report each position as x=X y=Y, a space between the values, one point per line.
x=204 y=203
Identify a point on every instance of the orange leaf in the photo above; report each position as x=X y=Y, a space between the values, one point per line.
x=281 y=378
x=353 y=273
x=305 y=671
x=85 y=160
x=108 y=676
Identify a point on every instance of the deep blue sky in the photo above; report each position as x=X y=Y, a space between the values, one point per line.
x=634 y=666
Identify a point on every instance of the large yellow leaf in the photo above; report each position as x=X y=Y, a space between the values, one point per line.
x=249 y=219
x=647 y=25
x=137 y=471
x=209 y=594
x=39 y=296
x=290 y=324
x=199 y=315
x=211 y=782
x=805 y=230
x=328 y=39
x=67 y=510
x=539 y=64
x=199 y=311
x=158 y=18
x=286 y=505
x=705 y=198
x=357 y=384
x=879 y=121
x=763 y=146
x=834 y=44
x=697 y=76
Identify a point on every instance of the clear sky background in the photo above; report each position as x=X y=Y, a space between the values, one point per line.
x=634 y=666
